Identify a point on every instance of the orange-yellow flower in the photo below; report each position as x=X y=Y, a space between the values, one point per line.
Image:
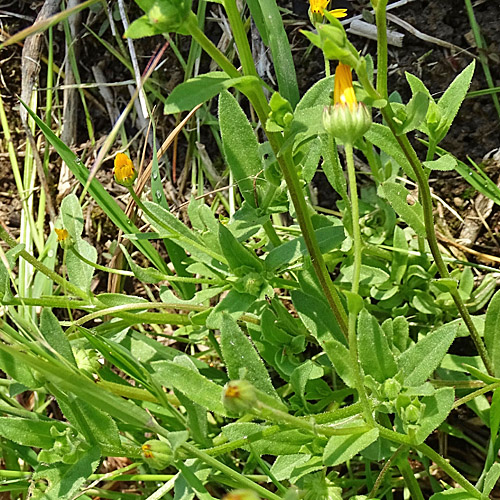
x=343 y=92
x=125 y=173
x=62 y=234
x=318 y=6
x=347 y=120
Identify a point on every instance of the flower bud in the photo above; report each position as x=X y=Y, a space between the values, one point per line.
x=347 y=120
x=125 y=173
x=157 y=454
x=241 y=495
x=162 y=16
x=63 y=237
x=239 y=396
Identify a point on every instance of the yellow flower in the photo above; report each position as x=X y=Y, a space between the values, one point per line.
x=125 y=173
x=62 y=234
x=318 y=6
x=347 y=120
x=343 y=92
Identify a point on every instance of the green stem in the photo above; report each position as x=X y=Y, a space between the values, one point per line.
x=382 y=66
x=240 y=37
x=66 y=285
x=434 y=456
x=353 y=315
x=409 y=477
x=231 y=473
x=256 y=96
x=426 y=198
x=194 y=30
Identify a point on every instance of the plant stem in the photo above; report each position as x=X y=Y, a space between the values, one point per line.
x=353 y=315
x=409 y=477
x=256 y=96
x=431 y=454
x=43 y=268
x=231 y=473
x=381 y=20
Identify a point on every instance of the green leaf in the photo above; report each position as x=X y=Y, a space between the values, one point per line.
x=396 y=195
x=64 y=481
x=491 y=479
x=452 y=99
x=141 y=28
x=54 y=335
x=72 y=216
x=241 y=148
x=416 y=110
x=342 y=448
x=374 y=353
x=144 y=274
x=197 y=415
x=307 y=118
x=79 y=272
x=419 y=361
x=192 y=384
x=492 y=332
x=444 y=163
x=267 y=14
x=437 y=408
x=452 y=494
x=194 y=91
x=97 y=427
x=234 y=303
x=317 y=316
x=30 y=432
x=236 y=254
x=382 y=137
x=338 y=354
x=399 y=255
x=241 y=358
x=329 y=238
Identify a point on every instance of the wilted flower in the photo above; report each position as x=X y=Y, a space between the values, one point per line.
x=239 y=396
x=125 y=173
x=347 y=119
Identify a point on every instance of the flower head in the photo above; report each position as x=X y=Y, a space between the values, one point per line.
x=343 y=92
x=63 y=237
x=125 y=173
x=62 y=234
x=318 y=6
x=347 y=119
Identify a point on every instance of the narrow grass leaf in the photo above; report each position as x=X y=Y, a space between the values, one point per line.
x=492 y=332
x=97 y=191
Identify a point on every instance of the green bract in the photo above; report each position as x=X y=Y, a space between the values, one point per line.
x=162 y=16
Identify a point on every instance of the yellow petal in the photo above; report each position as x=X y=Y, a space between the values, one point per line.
x=343 y=92
x=338 y=13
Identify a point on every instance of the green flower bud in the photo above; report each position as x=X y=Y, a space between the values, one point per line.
x=391 y=389
x=87 y=360
x=412 y=413
x=157 y=454
x=162 y=16
x=281 y=114
x=239 y=396
x=345 y=124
